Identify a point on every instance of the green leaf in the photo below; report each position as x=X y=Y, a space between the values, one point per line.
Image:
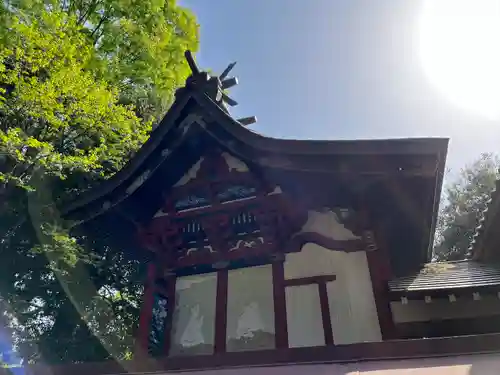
x=81 y=84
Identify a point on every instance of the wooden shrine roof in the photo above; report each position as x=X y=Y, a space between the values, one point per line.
x=397 y=172
x=447 y=277
x=401 y=156
x=194 y=105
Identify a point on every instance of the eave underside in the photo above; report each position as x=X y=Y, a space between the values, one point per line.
x=192 y=111
x=399 y=179
x=397 y=205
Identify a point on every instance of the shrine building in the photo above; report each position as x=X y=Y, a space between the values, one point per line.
x=263 y=252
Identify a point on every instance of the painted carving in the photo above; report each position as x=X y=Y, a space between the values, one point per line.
x=160 y=213
x=234 y=163
x=192 y=335
x=324 y=228
x=277 y=190
x=204 y=218
x=241 y=244
x=191 y=174
x=326 y=223
x=249 y=322
x=207 y=248
x=233 y=193
x=190 y=120
x=190 y=202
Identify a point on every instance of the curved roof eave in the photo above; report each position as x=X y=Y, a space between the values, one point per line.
x=258 y=142
x=417 y=146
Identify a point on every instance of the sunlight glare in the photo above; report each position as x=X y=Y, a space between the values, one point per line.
x=460 y=52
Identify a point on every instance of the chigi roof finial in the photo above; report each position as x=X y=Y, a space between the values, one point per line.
x=215 y=86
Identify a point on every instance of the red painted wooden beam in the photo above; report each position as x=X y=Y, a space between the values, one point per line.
x=221 y=311
x=280 y=319
x=146 y=310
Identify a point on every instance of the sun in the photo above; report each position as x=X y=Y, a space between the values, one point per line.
x=459 y=44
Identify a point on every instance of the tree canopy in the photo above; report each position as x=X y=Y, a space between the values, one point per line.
x=81 y=83
x=465 y=200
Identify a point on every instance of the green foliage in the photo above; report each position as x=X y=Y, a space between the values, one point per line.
x=81 y=83
x=466 y=198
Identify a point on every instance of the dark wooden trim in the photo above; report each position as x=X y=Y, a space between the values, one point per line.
x=321 y=279
x=146 y=310
x=389 y=350
x=221 y=311
x=380 y=274
x=126 y=173
x=450 y=327
x=280 y=318
x=465 y=293
x=325 y=313
x=214 y=208
x=211 y=258
x=381 y=296
x=347 y=246
x=171 y=280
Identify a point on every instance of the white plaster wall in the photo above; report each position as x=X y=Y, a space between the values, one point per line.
x=352 y=306
x=193 y=330
x=250 y=309
x=303 y=316
x=438 y=309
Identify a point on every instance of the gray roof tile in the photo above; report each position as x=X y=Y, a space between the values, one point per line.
x=448 y=275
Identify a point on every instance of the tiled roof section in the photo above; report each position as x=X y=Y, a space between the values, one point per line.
x=448 y=275
x=489 y=214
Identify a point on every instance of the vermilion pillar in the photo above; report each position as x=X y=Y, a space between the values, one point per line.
x=146 y=310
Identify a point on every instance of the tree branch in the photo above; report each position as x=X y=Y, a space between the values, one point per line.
x=101 y=21
x=84 y=17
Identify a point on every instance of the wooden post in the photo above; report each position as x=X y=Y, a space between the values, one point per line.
x=380 y=273
x=146 y=312
x=221 y=311
x=325 y=313
x=171 y=280
x=280 y=323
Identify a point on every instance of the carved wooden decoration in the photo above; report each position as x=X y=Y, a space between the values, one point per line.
x=335 y=229
x=221 y=211
x=218 y=211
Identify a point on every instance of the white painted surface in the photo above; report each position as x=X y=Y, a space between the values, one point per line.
x=190 y=174
x=192 y=334
x=352 y=306
x=303 y=312
x=277 y=190
x=327 y=224
x=250 y=309
x=234 y=163
x=438 y=309
x=193 y=326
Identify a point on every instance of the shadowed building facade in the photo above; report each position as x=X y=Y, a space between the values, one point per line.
x=265 y=251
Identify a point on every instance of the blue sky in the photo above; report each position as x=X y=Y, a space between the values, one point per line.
x=334 y=69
